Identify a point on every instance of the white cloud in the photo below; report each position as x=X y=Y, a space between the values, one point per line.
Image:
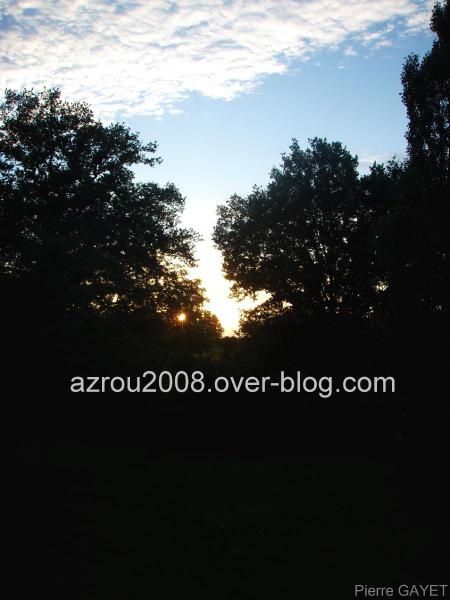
x=367 y=160
x=350 y=51
x=145 y=56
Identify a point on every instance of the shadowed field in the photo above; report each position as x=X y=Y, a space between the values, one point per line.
x=119 y=522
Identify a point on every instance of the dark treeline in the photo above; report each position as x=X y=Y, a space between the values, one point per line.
x=94 y=272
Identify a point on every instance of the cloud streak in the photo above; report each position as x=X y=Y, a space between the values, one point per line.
x=138 y=57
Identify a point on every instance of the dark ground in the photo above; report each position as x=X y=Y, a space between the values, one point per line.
x=225 y=498
x=111 y=521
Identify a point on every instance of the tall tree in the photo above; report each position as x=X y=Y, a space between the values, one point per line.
x=78 y=236
x=426 y=95
x=299 y=239
x=418 y=269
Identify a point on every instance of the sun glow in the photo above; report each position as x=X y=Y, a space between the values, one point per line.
x=181 y=317
x=218 y=289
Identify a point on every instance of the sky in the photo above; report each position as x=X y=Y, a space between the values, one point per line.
x=223 y=85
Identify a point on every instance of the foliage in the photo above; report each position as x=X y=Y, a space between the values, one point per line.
x=80 y=239
x=422 y=213
x=305 y=238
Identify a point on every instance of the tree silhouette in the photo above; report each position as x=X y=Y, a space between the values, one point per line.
x=411 y=228
x=422 y=214
x=300 y=238
x=426 y=95
x=80 y=239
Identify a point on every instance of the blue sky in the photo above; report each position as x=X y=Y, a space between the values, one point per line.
x=224 y=85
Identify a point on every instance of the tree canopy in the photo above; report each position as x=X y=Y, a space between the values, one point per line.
x=423 y=203
x=79 y=236
x=300 y=238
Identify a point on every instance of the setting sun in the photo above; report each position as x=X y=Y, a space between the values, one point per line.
x=181 y=317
